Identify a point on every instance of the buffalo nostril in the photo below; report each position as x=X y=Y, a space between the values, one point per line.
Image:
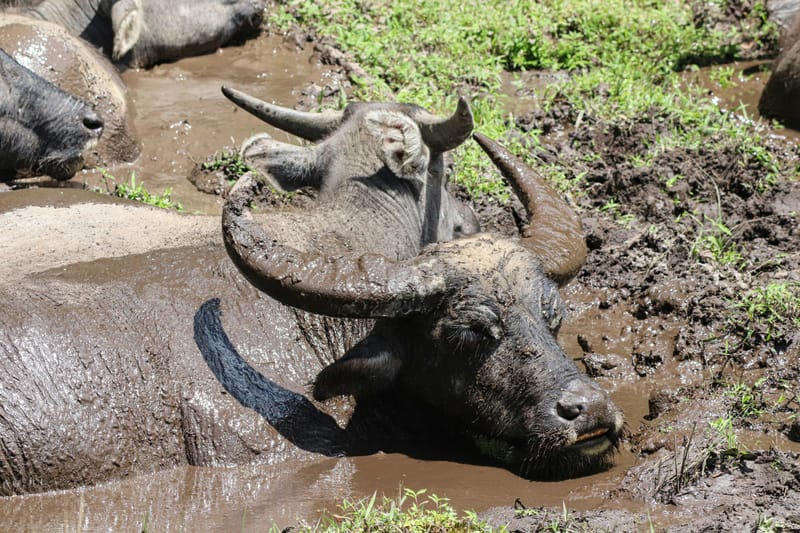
x=581 y=398
x=570 y=407
x=93 y=123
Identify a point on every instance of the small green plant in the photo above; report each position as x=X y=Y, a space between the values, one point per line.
x=748 y=400
x=715 y=241
x=768 y=524
x=412 y=511
x=727 y=444
x=722 y=76
x=613 y=208
x=673 y=180
x=773 y=309
x=229 y=162
x=137 y=192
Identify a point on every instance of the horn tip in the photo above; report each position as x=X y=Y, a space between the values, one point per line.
x=489 y=145
x=230 y=93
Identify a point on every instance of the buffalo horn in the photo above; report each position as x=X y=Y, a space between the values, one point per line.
x=309 y=126
x=554 y=233
x=356 y=286
x=443 y=134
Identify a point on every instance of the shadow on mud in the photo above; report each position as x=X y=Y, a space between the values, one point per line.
x=388 y=424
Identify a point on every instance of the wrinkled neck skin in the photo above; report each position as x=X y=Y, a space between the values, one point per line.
x=374 y=214
x=88 y=19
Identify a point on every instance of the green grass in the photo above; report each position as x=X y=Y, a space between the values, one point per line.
x=137 y=192
x=413 y=511
x=623 y=60
x=715 y=242
x=229 y=162
x=748 y=399
x=770 y=312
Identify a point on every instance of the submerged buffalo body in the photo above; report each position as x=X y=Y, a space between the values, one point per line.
x=141 y=33
x=69 y=63
x=126 y=363
x=781 y=94
x=43 y=130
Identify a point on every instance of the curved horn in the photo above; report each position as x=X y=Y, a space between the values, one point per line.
x=309 y=126
x=357 y=286
x=554 y=233
x=443 y=134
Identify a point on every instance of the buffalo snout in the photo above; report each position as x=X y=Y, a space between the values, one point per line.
x=595 y=420
x=92 y=123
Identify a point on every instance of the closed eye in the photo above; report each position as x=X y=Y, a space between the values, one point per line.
x=475 y=325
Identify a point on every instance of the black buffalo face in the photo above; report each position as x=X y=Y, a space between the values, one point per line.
x=487 y=356
x=466 y=328
x=44 y=130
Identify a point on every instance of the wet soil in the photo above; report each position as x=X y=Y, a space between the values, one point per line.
x=654 y=311
x=650 y=318
x=182 y=118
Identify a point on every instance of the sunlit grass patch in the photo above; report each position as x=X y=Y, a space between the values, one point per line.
x=622 y=60
x=137 y=192
x=412 y=511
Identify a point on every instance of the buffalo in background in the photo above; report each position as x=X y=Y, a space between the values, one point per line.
x=141 y=33
x=62 y=40
x=780 y=98
x=68 y=62
x=42 y=128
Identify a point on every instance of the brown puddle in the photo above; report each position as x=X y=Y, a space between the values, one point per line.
x=181 y=116
x=742 y=92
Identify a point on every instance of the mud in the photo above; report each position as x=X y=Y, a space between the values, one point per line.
x=182 y=118
x=650 y=318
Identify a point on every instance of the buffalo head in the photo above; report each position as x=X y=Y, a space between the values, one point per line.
x=357 y=143
x=467 y=327
x=42 y=128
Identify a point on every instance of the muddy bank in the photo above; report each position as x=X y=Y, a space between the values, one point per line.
x=676 y=242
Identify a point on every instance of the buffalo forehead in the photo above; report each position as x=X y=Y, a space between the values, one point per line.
x=488 y=256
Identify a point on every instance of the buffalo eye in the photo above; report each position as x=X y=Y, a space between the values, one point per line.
x=476 y=325
x=488 y=322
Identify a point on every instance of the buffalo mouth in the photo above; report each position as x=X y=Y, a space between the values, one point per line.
x=590 y=452
x=66 y=169
x=594 y=442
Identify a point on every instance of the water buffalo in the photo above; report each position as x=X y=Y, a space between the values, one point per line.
x=141 y=33
x=782 y=91
x=116 y=361
x=103 y=374
x=67 y=62
x=289 y=167
x=43 y=130
x=464 y=331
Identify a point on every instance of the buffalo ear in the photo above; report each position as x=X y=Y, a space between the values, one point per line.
x=369 y=367
x=126 y=21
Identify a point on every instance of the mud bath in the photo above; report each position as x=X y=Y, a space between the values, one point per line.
x=637 y=321
x=182 y=118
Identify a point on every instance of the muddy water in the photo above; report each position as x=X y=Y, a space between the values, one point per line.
x=181 y=116
x=252 y=498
